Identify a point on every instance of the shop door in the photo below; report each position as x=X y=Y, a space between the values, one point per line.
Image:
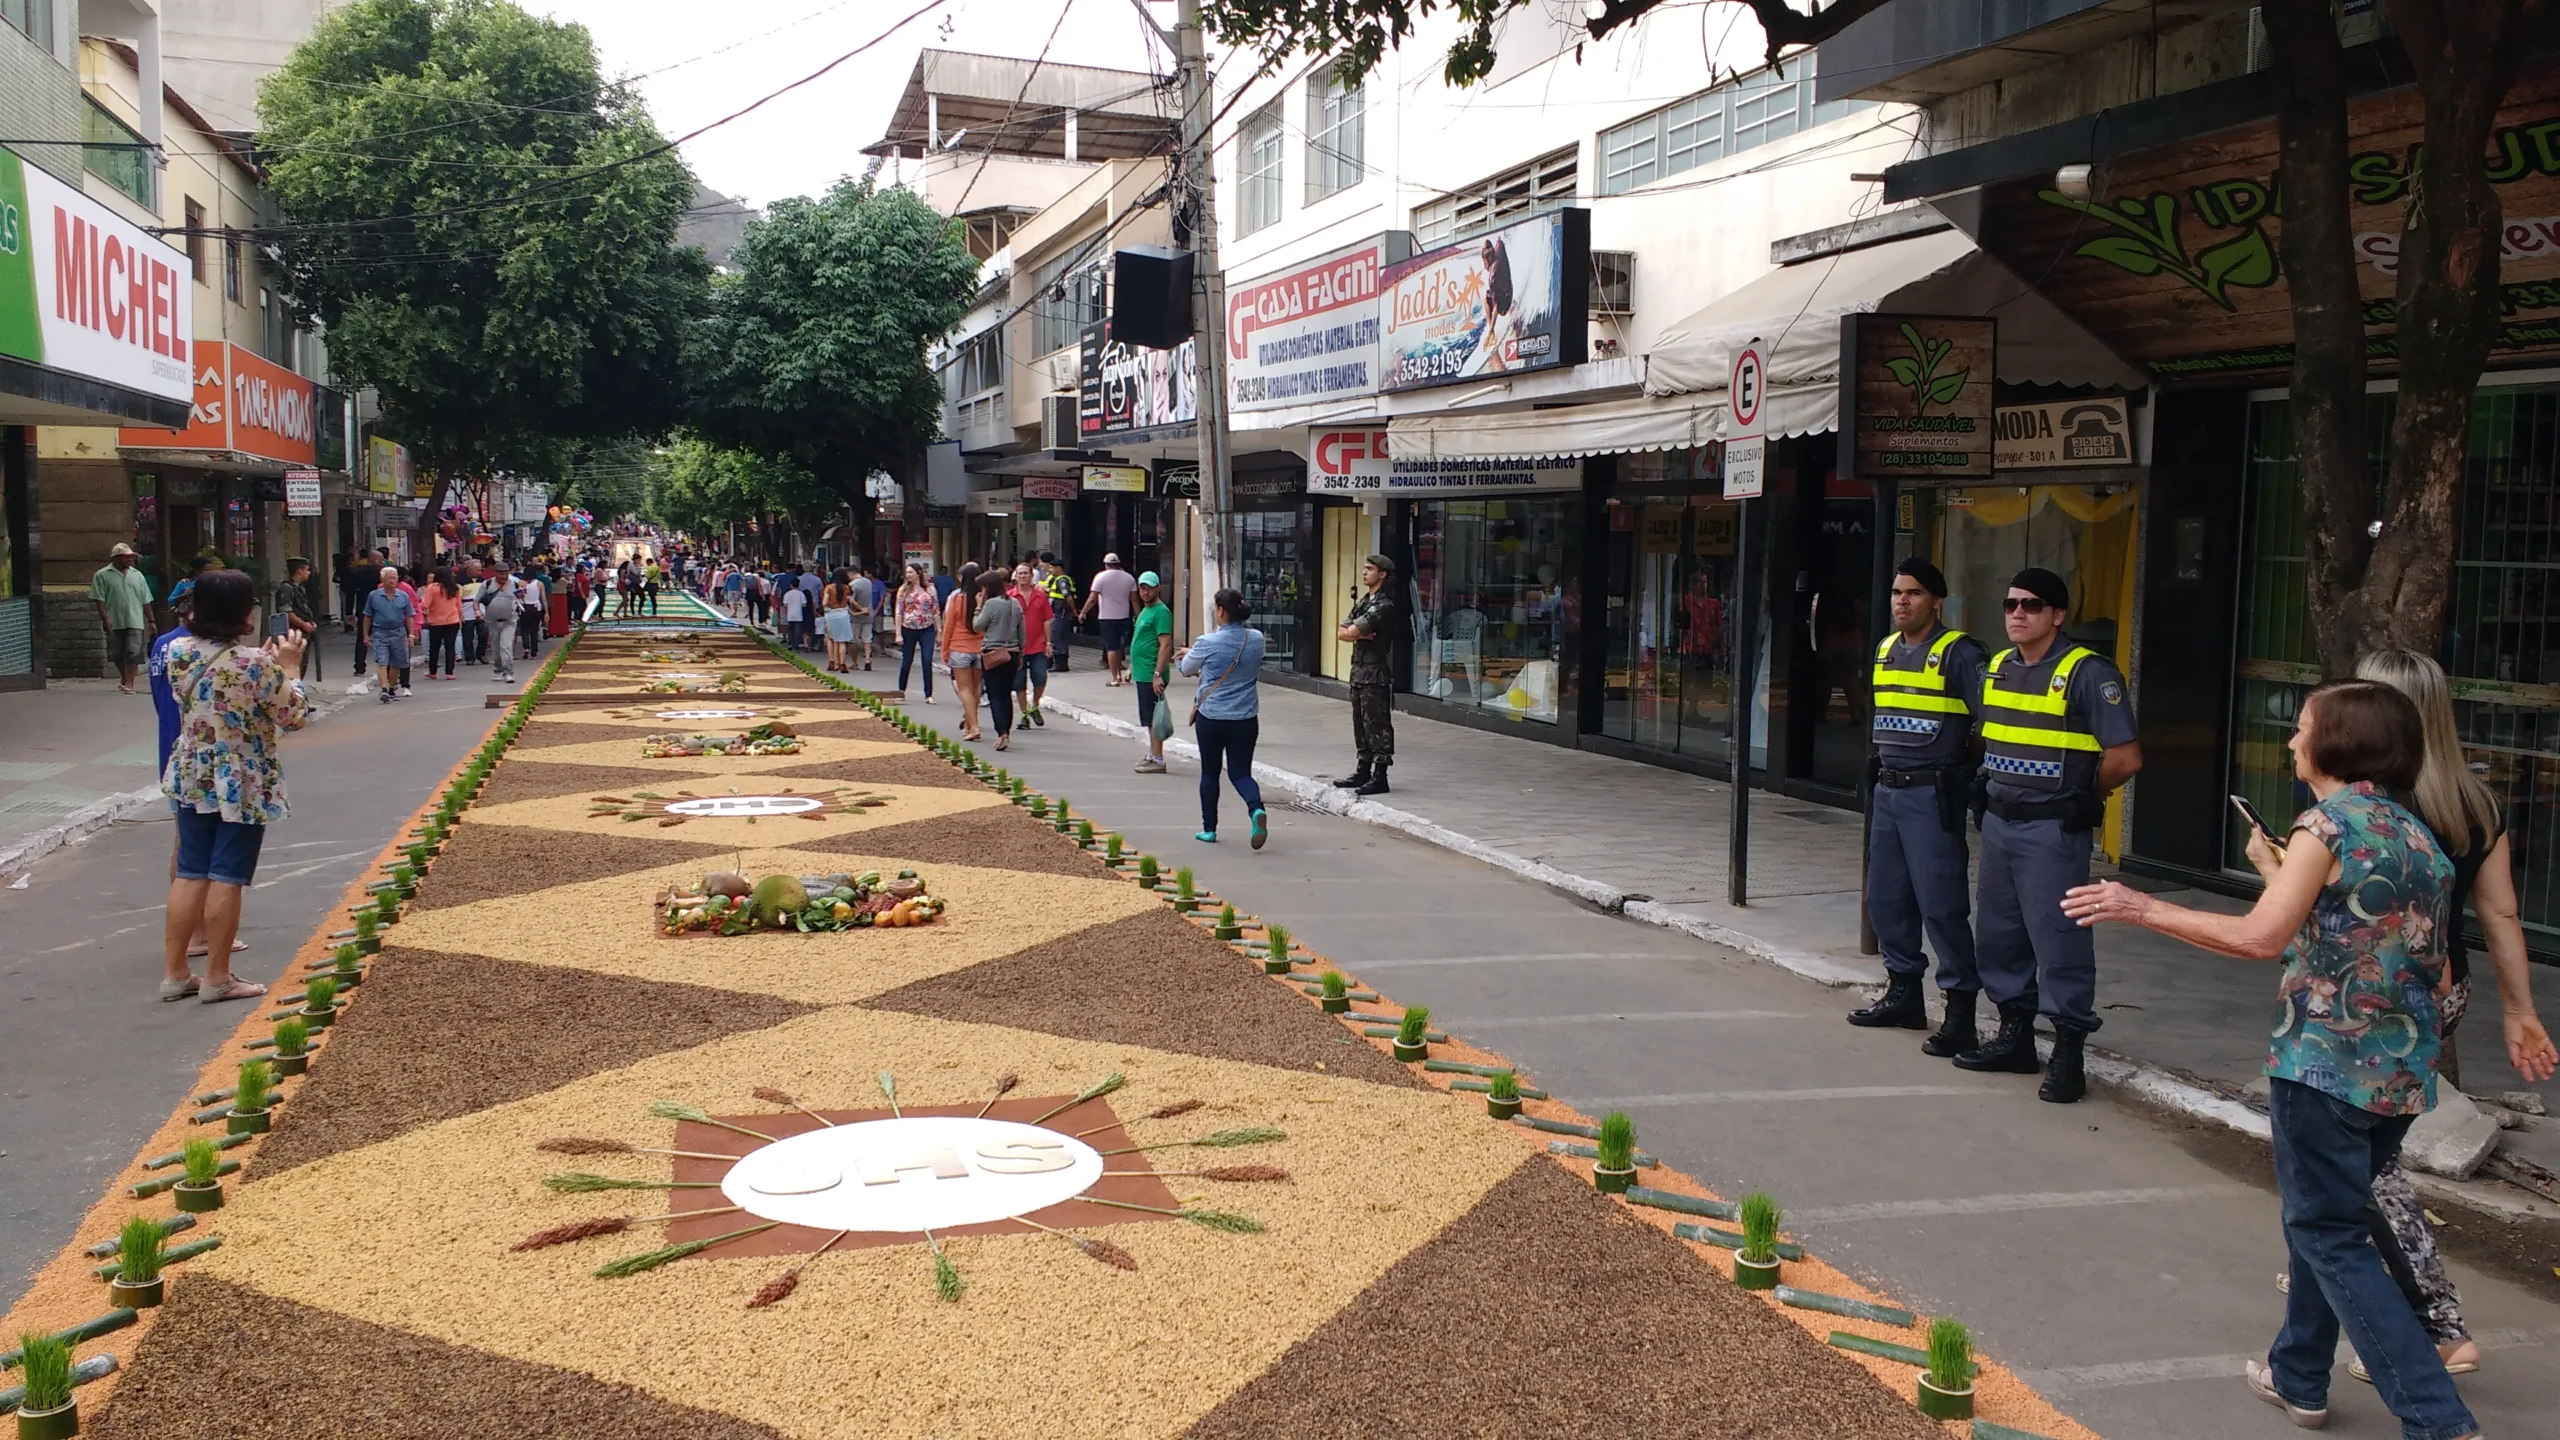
x=2084 y=533
x=1830 y=607
x=1342 y=557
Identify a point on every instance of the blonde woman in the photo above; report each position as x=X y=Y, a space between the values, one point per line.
x=836 y=621
x=2471 y=828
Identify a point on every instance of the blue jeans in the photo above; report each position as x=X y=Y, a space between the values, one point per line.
x=1232 y=740
x=2327 y=1153
x=911 y=642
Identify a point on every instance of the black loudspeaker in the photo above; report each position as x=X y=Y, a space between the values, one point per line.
x=1151 y=297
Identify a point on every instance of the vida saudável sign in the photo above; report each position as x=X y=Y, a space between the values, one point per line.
x=1918 y=389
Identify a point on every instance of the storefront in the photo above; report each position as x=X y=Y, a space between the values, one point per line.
x=1271 y=547
x=1666 y=680
x=95 y=324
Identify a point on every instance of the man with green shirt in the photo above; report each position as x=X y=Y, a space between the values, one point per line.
x=123 y=597
x=1149 y=663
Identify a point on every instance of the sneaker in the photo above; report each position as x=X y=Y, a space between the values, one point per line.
x=404 y=692
x=1038 y=719
x=386 y=697
x=2262 y=1383
x=1261 y=828
x=1206 y=837
x=1150 y=766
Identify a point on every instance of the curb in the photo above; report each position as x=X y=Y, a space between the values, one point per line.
x=97 y=815
x=2137 y=1079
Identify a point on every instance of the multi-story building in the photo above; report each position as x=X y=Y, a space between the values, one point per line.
x=215 y=485
x=2127 y=170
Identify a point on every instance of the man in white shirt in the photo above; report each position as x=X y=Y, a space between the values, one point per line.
x=1110 y=594
x=532 y=613
x=795 y=609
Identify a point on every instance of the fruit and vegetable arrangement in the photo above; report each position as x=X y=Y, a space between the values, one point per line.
x=729 y=683
x=727 y=903
x=774 y=737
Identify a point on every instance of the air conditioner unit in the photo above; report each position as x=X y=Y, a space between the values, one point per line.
x=1058 y=423
x=1613 y=282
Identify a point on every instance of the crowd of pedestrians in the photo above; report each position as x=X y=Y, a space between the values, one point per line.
x=469 y=612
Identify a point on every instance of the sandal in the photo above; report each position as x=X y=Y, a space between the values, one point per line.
x=236 y=947
x=234 y=988
x=179 y=989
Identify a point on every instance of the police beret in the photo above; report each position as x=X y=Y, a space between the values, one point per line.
x=1931 y=578
x=2044 y=585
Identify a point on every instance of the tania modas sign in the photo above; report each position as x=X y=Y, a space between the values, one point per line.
x=84 y=292
x=245 y=407
x=1507 y=301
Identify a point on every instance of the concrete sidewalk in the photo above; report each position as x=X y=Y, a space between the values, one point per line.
x=2185 y=1027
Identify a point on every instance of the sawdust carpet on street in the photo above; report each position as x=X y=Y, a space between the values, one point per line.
x=439 y=1035
x=998 y=836
x=483 y=862
x=349 y=1380
x=1154 y=979
x=544 y=781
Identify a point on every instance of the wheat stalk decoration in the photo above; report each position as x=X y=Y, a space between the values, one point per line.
x=1004 y=1087
x=772 y=1096
x=670 y=1110
x=1095 y=1091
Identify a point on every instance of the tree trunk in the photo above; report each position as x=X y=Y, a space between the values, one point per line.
x=2328 y=377
x=2465 y=53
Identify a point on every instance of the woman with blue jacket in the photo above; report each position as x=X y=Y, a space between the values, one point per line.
x=1226 y=712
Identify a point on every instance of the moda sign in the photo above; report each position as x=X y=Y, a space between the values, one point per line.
x=86 y=293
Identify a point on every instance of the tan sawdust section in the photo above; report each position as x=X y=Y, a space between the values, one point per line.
x=570 y=812
x=814 y=750
x=1045 y=1342
x=608 y=926
x=641 y=720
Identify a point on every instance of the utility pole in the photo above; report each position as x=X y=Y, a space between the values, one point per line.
x=1209 y=295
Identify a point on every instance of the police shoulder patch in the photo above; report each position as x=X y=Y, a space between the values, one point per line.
x=2111 y=692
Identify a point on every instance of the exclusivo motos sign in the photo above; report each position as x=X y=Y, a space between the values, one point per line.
x=85 y=293
x=1507 y=301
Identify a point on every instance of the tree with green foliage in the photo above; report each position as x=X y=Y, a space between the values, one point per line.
x=485 y=227
x=814 y=352
x=697 y=488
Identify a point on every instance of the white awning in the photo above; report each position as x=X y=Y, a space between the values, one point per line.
x=1607 y=427
x=1795 y=315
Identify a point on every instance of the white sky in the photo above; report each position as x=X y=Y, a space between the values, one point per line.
x=800 y=143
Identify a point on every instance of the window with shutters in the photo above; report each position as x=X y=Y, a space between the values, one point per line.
x=1335 y=142
x=1546 y=183
x=1068 y=297
x=1746 y=111
x=1258 y=147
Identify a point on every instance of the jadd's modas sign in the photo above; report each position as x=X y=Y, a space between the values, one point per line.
x=244 y=406
x=1512 y=300
x=1308 y=335
x=84 y=292
x=1920 y=392
x=1351 y=462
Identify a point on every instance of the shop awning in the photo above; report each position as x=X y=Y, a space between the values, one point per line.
x=1795 y=315
x=1607 y=427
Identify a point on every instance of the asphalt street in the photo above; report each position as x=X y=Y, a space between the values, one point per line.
x=90 y=1060
x=2124 y=1268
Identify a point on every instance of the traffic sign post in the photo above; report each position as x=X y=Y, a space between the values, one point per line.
x=1745 y=468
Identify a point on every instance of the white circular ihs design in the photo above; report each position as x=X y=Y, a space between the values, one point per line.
x=733 y=806
x=706 y=714
x=907 y=1175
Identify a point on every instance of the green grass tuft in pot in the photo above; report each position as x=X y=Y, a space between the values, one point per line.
x=1946 y=1388
x=1112 y=845
x=45 y=1363
x=1617 y=1146
x=199 y=1190
x=1084 y=833
x=256 y=1088
x=1502 y=1095
x=292 y=1036
x=1228 y=929
x=1755 y=1265
x=1409 y=1042
x=1039 y=807
x=321 y=995
x=1149 y=872
x=1337 y=999
x=1275 y=950
x=139 y=1248
x=1185 y=898
x=367 y=926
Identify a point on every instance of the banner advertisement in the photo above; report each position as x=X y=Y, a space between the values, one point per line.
x=301 y=493
x=1127 y=388
x=1502 y=303
x=245 y=407
x=1920 y=396
x=1048 y=487
x=1116 y=479
x=84 y=292
x=1357 y=462
x=1310 y=334
x=2060 y=434
x=386 y=470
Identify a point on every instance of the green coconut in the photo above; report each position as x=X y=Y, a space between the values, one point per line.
x=777 y=897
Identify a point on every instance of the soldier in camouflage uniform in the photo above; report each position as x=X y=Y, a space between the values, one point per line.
x=1371 y=629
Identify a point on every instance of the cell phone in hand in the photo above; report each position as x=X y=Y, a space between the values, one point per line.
x=2250 y=813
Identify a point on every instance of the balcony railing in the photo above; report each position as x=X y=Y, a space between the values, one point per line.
x=115 y=154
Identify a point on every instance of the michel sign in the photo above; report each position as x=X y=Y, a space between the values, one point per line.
x=86 y=293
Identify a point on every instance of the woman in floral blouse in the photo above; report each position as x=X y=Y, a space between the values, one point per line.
x=2355 y=904
x=225 y=780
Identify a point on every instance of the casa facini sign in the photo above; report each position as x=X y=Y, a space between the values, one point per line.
x=1309 y=334
x=1920 y=395
x=86 y=293
x=1360 y=462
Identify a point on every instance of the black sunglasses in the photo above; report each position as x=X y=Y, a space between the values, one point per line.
x=2011 y=605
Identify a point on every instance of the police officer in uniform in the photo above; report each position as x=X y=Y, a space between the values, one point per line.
x=2057 y=739
x=1928 y=693
x=1371 y=629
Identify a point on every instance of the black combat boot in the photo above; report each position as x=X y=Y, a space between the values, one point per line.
x=1901 y=1006
x=1956 y=1034
x=2013 y=1050
x=1356 y=778
x=1376 y=784
x=2063 y=1080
